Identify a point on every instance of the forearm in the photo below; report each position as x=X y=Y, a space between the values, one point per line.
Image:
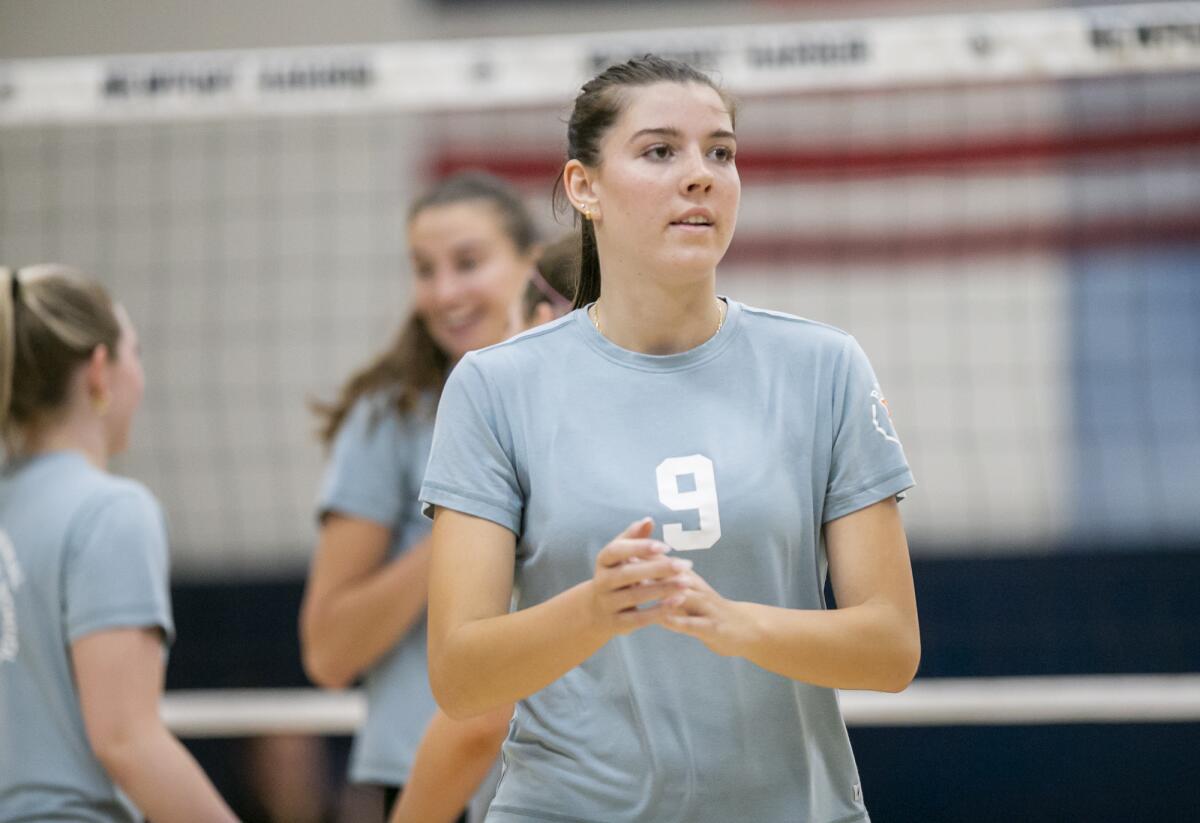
x=163 y=779
x=486 y=663
x=868 y=646
x=452 y=761
x=363 y=621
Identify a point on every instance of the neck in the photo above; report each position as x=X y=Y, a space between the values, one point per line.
x=69 y=435
x=650 y=317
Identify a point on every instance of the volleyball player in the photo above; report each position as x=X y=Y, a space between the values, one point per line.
x=452 y=763
x=85 y=613
x=659 y=417
x=472 y=244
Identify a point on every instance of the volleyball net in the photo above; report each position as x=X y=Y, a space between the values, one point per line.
x=974 y=701
x=1004 y=209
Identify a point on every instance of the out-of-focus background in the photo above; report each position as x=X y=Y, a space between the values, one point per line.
x=1002 y=202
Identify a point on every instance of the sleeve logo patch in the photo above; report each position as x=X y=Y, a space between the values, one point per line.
x=882 y=422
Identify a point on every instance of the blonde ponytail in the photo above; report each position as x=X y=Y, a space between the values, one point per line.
x=52 y=318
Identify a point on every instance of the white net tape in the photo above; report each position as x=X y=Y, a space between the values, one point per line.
x=522 y=71
x=932 y=702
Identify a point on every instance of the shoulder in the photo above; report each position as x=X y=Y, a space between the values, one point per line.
x=521 y=354
x=780 y=328
x=372 y=404
x=79 y=489
x=121 y=500
x=529 y=344
x=118 y=517
x=376 y=415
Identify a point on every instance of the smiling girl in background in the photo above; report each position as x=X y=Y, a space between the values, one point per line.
x=472 y=245
x=455 y=757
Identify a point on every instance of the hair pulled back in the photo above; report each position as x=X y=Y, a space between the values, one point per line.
x=553 y=281
x=52 y=318
x=413 y=365
x=596 y=109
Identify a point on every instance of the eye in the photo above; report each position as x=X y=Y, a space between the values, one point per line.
x=466 y=264
x=722 y=154
x=659 y=151
x=423 y=271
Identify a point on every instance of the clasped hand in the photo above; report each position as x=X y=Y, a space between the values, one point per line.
x=636 y=584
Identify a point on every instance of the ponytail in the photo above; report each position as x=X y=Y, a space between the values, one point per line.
x=51 y=320
x=587 y=290
x=9 y=295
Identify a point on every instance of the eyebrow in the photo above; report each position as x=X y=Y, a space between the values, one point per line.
x=670 y=132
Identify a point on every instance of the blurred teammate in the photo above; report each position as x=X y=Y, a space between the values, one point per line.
x=654 y=687
x=472 y=245
x=455 y=756
x=85 y=612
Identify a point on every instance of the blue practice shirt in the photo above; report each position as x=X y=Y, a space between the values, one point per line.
x=81 y=551
x=374 y=474
x=741 y=449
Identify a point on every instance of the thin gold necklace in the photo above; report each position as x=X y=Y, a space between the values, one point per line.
x=722 y=310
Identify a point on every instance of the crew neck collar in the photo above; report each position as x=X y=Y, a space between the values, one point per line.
x=694 y=356
x=45 y=458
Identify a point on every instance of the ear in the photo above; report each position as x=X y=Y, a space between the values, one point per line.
x=577 y=182
x=96 y=376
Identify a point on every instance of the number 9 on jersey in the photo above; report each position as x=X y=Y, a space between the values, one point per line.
x=703 y=499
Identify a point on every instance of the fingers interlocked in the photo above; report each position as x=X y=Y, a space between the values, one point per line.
x=632 y=573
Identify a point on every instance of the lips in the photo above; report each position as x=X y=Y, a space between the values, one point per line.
x=697 y=218
x=458 y=322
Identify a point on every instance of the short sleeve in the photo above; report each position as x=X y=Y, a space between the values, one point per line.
x=868 y=462
x=116 y=570
x=365 y=476
x=471 y=469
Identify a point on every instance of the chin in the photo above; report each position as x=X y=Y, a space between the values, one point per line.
x=691 y=264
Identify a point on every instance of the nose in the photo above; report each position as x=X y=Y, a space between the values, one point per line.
x=698 y=176
x=446 y=288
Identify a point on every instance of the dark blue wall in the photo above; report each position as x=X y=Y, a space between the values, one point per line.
x=1074 y=612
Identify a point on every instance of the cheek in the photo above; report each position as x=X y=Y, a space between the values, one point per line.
x=639 y=192
x=421 y=297
x=501 y=282
x=733 y=187
x=137 y=384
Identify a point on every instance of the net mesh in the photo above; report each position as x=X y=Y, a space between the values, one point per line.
x=1017 y=258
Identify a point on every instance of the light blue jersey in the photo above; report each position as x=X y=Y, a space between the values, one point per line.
x=740 y=449
x=375 y=473
x=81 y=551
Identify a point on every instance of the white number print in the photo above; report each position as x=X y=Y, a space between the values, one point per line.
x=703 y=499
x=10 y=580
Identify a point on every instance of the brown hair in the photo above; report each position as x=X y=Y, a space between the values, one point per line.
x=51 y=320
x=413 y=365
x=596 y=109
x=556 y=274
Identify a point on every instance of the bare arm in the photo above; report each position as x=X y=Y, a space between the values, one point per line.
x=481 y=657
x=119 y=674
x=453 y=759
x=871 y=641
x=357 y=605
